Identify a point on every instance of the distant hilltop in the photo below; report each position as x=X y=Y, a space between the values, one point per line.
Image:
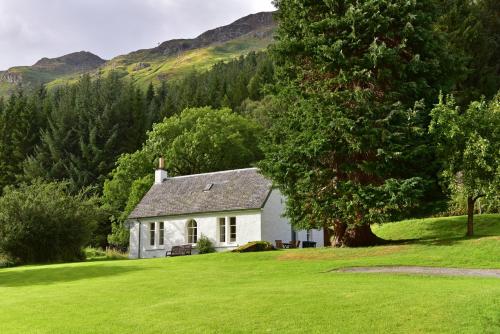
x=250 y=33
x=243 y=26
x=82 y=60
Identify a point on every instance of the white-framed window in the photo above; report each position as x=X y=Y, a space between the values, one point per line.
x=152 y=233
x=192 y=232
x=161 y=234
x=309 y=235
x=222 y=229
x=232 y=229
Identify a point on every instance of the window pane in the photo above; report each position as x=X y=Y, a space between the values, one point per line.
x=232 y=229
x=161 y=237
x=222 y=229
x=192 y=232
x=152 y=228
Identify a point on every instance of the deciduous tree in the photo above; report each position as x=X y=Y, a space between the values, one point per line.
x=468 y=144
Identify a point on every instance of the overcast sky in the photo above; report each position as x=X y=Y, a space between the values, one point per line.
x=32 y=29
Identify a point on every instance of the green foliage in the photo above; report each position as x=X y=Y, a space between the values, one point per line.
x=129 y=168
x=473 y=32
x=204 y=139
x=43 y=222
x=98 y=254
x=77 y=132
x=205 y=245
x=120 y=234
x=468 y=146
x=90 y=124
x=457 y=204
x=21 y=120
x=198 y=140
x=225 y=85
x=254 y=246
x=354 y=80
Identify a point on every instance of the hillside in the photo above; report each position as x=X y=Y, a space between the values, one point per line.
x=168 y=60
x=48 y=69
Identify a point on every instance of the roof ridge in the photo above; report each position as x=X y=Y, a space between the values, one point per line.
x=211 y=173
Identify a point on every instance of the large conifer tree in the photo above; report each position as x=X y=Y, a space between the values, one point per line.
x=355 y=81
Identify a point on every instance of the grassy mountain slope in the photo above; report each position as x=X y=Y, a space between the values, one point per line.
x=46 y=70
x=171 y=67
x=168 y=60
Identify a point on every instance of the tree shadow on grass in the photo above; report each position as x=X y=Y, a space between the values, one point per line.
x=52 y=275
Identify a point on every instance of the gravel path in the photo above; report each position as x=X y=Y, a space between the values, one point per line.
x=424 y=271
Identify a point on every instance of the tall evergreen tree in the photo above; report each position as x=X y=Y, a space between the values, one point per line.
x=354 y=79
x=21 y=120
x=473 y=33
x=91 y=124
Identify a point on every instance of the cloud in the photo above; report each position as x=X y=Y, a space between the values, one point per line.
x=32 y=29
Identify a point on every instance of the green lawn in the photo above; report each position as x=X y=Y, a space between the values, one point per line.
x=283 y=291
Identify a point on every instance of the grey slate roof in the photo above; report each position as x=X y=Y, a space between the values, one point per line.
x=239 y=189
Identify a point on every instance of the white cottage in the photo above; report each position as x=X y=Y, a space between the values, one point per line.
x=230 y=207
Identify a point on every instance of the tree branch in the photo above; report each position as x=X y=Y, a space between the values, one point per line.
x=478 y=196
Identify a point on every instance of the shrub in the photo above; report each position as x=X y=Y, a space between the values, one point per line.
x=98 y=254
x=120 y=236
x=255 y=246
x=43 y=222
x=205 y=245
x=6 y=262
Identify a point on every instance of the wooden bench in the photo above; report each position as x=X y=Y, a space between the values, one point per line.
x=180 y=250
x=187 y=249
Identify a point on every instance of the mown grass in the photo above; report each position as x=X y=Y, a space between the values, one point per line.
x=442 y=228
x=283 y=291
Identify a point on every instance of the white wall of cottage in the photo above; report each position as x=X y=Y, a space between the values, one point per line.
x=266 y=224
x=274 y=225
x=248 y=223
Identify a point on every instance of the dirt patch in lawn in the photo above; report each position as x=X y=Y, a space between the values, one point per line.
x=423 y=271
x=341 y=254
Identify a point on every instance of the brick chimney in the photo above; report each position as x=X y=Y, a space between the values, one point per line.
x=160 y=173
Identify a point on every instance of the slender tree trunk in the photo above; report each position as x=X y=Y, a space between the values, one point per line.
x=470 y=216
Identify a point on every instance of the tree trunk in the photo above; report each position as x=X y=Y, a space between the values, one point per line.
x=327 y=236
x=361 y=236
x=355 y=236
x=470 y=216
x=339 y=229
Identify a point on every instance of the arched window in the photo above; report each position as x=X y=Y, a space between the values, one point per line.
x=192 y=232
